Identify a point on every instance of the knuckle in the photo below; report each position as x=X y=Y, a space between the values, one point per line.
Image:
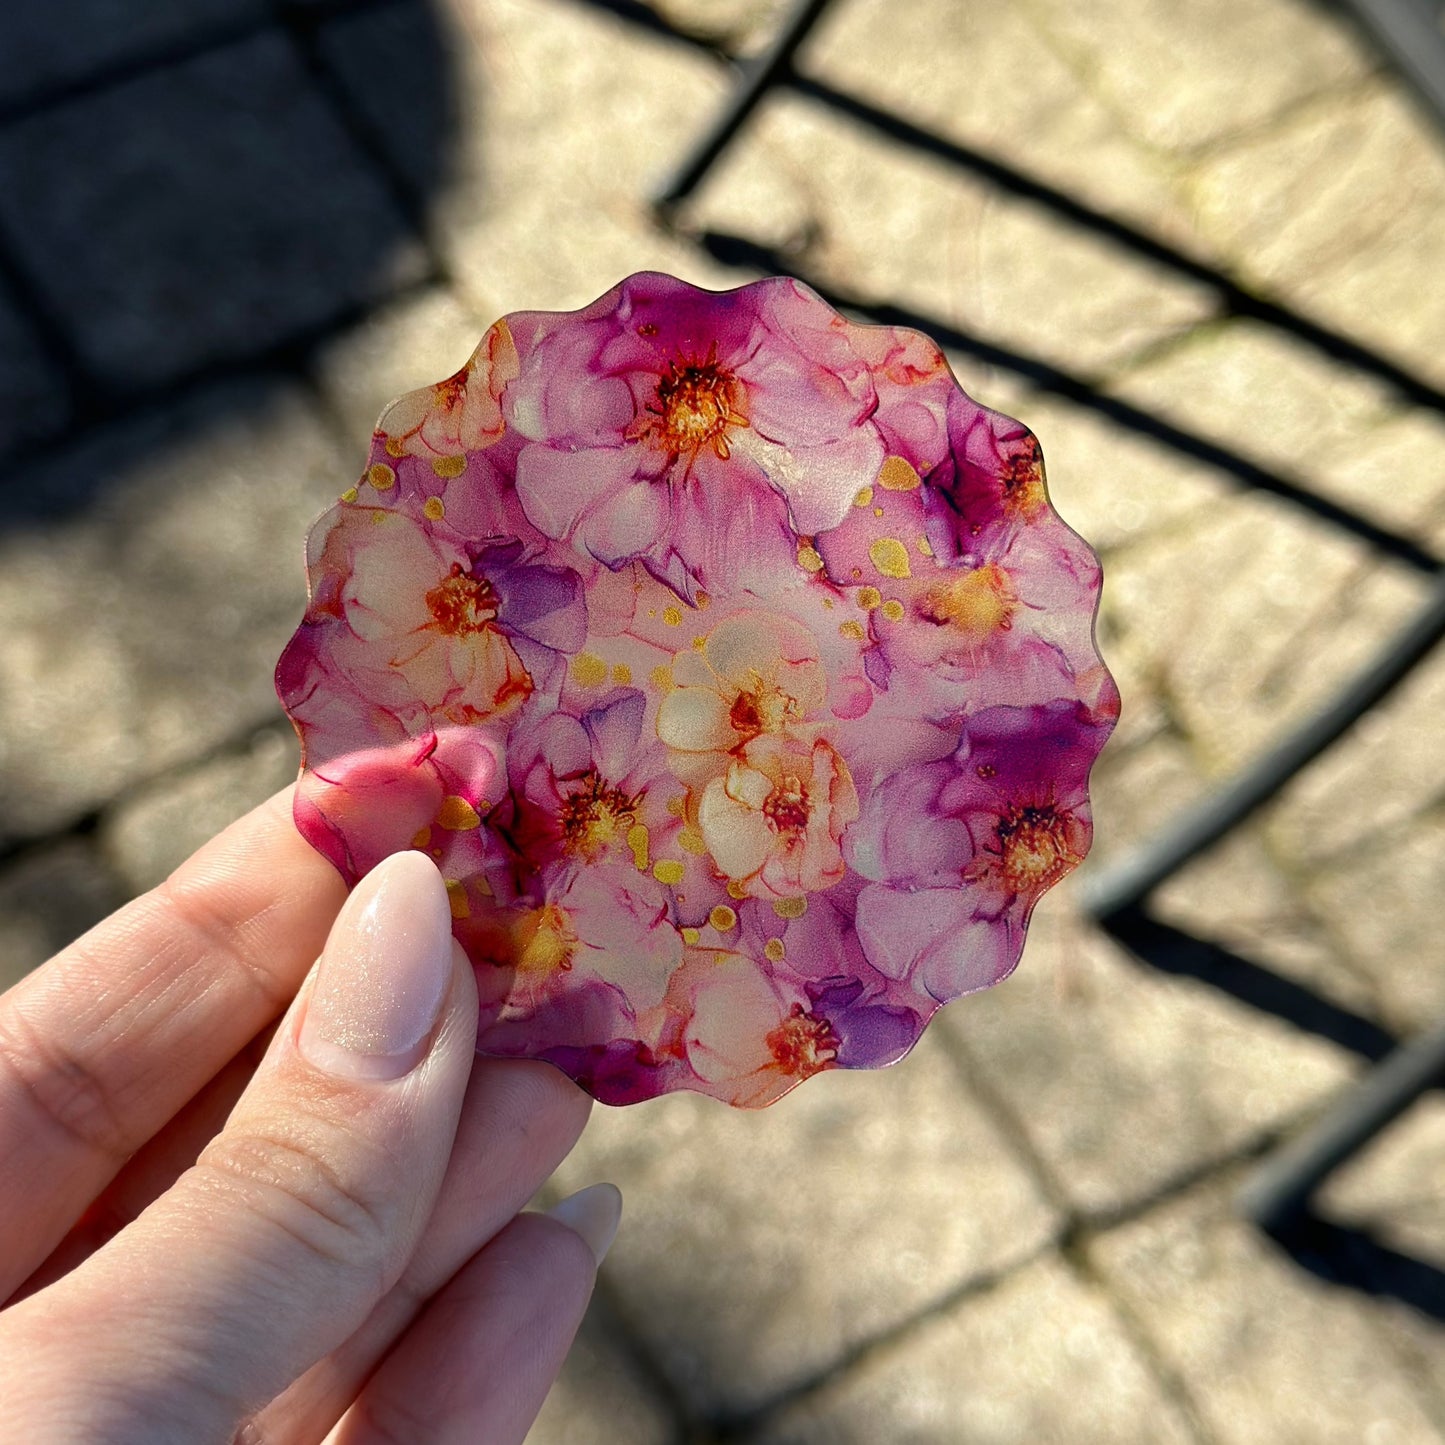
x=343 y=1216
x=61 y=1088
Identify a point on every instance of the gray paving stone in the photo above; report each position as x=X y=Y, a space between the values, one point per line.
x=600 y=1398
x=49 y=897
x=156 y=829
x=227 y=211
x=68 y=40
x=34 y=400
x=1275 y=1355
x=759 y=1247
x=889 y=225
x=1039 y=1358
x=1127 y=1080
x=143 y=629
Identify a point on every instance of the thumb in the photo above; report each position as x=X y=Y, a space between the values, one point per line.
x=302 y=1213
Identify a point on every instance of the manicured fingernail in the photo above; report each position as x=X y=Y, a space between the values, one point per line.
x=384 y=974
x=594 y=1213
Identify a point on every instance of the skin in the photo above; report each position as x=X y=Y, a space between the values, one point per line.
x=204 y=1236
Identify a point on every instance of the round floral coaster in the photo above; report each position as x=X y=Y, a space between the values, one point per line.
x=733 y=667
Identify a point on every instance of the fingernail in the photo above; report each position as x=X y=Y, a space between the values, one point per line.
x=383 y=975
x=594 y=1213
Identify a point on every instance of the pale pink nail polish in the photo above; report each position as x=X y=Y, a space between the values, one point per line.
x=384 y=974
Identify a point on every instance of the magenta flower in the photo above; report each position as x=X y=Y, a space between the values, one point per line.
x=734 y=670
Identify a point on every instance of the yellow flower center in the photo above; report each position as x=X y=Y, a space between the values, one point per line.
x=786 y=807
x=543 y=940
x=802 y=1044
x=762 y=707
x=462 y=604
x=1037 y=848
x=595 y=817
x=1022 y=481
x=976 y=603
x=697 y=401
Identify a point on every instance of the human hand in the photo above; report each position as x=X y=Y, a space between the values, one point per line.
x=209 y=1234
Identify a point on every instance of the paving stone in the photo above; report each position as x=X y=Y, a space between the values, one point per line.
x=142 y=631
x=990 y=78
x=1041 y=1358
x=408 y=344
x=1367 y=789
x=600 y=1398
x=1127 y=1080
x=394 y=65
x=33 y=395
x=759 y=1247
x=1275 y=1354
x=1304 y=609
x=1139 y=789
x=742 y=25
x=154 y=831
x=228 y=212
x=549 y=206
x=1183 y=76
x=890 y=225
x=1339 y=211
x=48 y=897
x=1383 y=901
x=68 y=40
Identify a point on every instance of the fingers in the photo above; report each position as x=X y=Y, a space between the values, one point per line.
x=519 y=1121
x=99 y=1048
x=300 y=1215
x=479 y=1362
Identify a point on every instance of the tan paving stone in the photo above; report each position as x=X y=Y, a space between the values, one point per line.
x=153 y=832
x=143 y=629
x=1140 y=790
x=890 y=225
x=600 y=1398
x=989 y=78
x=1124 y=1079
x=1274 y=1354
x=1040 y=1358
x=1339 y=211
x=1384 y=904
x=48 y=898
x=757 y=1248
x=744 y=25
x=1184 y=76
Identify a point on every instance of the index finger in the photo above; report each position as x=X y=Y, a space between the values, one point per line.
x=103 y=1044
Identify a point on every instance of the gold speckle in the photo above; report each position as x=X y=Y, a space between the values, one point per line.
x=877 y=511
x=790 y=907
x=690 y=840
x=637 y=841
x=422 y=838
x=893 y=610
x=869 y=598
x=457 y=899
x=897 y=476
x=381 y=476
x=677 y=804
x=809 y=560
x=773 y=950
x=434 y=508
x=457 y=815
x=864 y=497
x=691 y=935
x=448 y=467
x=736 y=889
x=723 y=918
x=588 y=670
x=699 y=644
x=672 y=616
x=703 y=602
x=668 y=871
x=661 y=677
x=890 y=557
x=621 y=674
x=349 y=495
x=395 y=447
x=852 y=628
x=924 y=546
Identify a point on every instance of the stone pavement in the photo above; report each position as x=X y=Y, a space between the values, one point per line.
x=230 y=231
